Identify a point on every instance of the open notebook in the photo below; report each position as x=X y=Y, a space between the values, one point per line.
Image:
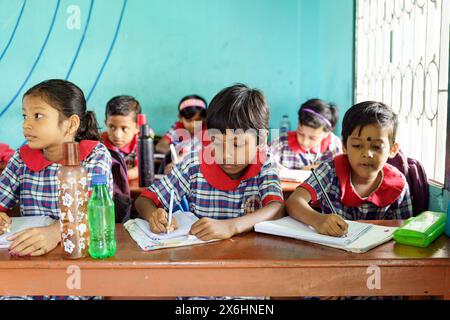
x=294 y=175
x=21 y=223
x=361 y=237
x=139 y=230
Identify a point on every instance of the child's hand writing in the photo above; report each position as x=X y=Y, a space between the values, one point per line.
x=5 y=222
x=208 y=229
x=170 y=166
x=35 y=241
x=159 y=222
x=331 y=225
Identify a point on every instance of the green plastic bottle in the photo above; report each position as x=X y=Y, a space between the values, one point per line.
x=101 y=219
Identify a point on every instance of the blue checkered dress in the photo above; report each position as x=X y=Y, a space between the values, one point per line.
x=37 y=191
x=212 y=194
x=398 y=207
x=297 y=159
x=172 y=134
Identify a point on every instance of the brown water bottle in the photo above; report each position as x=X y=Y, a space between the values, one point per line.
x=73 y=200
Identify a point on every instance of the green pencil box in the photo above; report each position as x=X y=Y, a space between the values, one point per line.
x=422 y=230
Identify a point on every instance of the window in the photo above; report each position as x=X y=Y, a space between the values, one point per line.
x=401 y=59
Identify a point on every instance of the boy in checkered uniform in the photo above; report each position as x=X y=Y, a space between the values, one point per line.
x=226 y=180
x=359 y=183
x=54 y=112
x=313 y=142
x=121 y=119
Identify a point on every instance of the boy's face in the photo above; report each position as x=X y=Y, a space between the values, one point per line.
x=121 y=129
x=189 y=124
x=369 y=150
x=234 y=152
x=41 y=126
x=309 y=137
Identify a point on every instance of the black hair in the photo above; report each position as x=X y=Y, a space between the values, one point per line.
x=367 y=113
x=68 y=99
x=123 y=106
x=329 y=111
x=191 y=111
x=238 y=107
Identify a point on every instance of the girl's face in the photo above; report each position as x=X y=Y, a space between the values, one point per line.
x=309 y=137
x=234 y=152
x=369 y=150
x=41 y=126
x=121 y=129
x=189 y=124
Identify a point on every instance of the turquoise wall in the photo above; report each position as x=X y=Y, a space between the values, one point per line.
x=161 y=50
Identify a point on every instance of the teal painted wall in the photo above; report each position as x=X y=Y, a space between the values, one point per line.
x=161 y=50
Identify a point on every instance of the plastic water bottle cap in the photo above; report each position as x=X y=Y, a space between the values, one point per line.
x=99 y=179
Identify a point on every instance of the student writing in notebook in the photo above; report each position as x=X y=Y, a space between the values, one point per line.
x=359 y=183
x=313 y=142
x=232 y=183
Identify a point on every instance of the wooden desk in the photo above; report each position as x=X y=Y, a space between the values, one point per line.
x=287 y=186
x=247 y=265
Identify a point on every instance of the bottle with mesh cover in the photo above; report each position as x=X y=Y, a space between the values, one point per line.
x=73 y=200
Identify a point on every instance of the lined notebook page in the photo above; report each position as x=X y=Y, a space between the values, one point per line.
x=184 y=219
x=290 y=227
x=361 y=236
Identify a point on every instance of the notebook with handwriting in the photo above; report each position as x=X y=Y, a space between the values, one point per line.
x=139 y=230
x=361 y=237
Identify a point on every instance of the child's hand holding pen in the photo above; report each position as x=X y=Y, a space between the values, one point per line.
x=331 y=225
x=159 y=222
x=5 y=223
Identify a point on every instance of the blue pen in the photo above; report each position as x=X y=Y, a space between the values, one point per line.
x=184 y=204
x=172 y=195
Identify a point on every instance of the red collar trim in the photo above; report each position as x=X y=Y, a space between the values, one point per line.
x=389 y=190
x=178 y=125
x=35 y=160
x=216 y=177
x=297 y=148
x=127 y=149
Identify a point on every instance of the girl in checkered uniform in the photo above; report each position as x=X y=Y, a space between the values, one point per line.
x=54 y=112
x=232 y=183
x=359 y=183
x=313 y=142
x=191 y=115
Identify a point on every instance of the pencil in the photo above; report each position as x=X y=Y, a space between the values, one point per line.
x=172 y=195
x=174 y=154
